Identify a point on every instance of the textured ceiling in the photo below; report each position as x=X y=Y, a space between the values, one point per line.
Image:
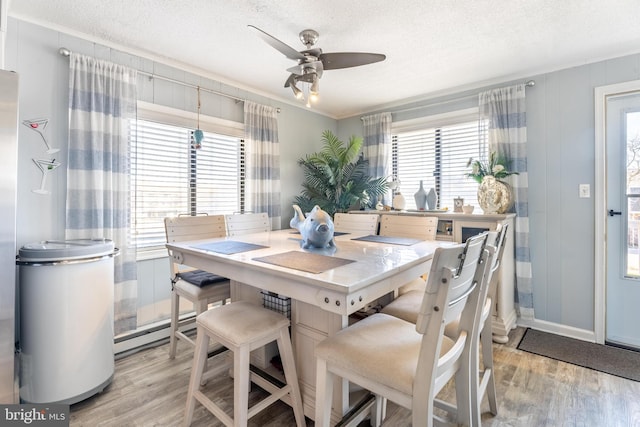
x=432 y=46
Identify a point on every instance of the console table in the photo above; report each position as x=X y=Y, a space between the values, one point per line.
x=457 y=227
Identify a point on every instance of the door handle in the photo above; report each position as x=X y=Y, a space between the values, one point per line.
x=612 y=212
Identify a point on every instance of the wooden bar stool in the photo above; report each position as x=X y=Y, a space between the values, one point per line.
x=242 y=327
x=197 y=286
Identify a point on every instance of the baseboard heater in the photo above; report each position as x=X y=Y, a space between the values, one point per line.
x=148 y=336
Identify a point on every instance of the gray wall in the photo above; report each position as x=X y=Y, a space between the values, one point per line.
x=560 y=147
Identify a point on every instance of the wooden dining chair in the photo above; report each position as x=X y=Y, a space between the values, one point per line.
x=356 y=223
x=484 y=376
x=247 y=223
x=197 y=286
x=417 y=227
x=410 y=363
x=407 y=307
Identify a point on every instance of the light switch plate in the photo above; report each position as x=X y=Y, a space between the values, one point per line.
x=585 y=191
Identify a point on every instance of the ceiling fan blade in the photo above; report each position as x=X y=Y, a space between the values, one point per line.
x=299 y=69
x=283 y=48
x=316 y=52
x=319 y=68
x=296 y=69
x=334 y=61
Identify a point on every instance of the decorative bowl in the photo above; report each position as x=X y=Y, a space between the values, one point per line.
x=467 y=209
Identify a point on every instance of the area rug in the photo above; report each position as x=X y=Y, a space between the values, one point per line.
x=604 y=358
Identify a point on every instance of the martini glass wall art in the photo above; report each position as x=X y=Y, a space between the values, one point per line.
x=39 y=125
x=45 y=166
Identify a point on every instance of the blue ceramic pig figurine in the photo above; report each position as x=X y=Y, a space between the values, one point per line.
x=316 y=229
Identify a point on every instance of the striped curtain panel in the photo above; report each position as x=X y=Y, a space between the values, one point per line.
x=263 y=161
x=102 y=97
x=376 y=148
x=505 y=109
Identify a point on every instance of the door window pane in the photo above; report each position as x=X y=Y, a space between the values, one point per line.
x=632 y=136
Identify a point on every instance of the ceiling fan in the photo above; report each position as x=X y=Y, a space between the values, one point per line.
x=312 y=62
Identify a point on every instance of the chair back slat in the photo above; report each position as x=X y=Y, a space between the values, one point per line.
x=418 y=227
x=356 y=223
x=499 y=243
x=471 y=318
x=453 y=268
x=239 y=224
x=183 y=228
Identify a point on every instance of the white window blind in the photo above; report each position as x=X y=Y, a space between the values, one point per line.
x=170 y=178
x=438 y=155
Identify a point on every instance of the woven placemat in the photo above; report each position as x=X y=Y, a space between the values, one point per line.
x=229 y=247
x=305 y=261
x=405 y=241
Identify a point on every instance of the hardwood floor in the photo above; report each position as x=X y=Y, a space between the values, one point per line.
x=149 y=390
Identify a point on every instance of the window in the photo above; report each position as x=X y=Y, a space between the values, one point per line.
x=436 y=150
x=169 y=177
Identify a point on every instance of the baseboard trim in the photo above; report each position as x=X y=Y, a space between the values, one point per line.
x=558 y=329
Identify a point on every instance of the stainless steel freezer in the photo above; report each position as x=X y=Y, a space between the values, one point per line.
x=8 y=184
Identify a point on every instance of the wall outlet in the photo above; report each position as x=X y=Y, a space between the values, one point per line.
x=585 y=191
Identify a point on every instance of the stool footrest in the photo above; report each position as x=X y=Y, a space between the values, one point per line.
x=183 y=336
x=485 y=378
x=282 y=393
x=268 y=401
x=215 y=371
x=215 y=410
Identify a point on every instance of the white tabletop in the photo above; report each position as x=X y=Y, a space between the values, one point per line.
x=378 y=268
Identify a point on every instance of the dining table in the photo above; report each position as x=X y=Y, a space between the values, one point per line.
x=326 y=286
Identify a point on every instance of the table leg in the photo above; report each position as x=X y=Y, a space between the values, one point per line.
x=309 y=326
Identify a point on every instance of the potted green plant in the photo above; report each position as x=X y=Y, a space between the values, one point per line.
x=495 y=166
x=336 y=177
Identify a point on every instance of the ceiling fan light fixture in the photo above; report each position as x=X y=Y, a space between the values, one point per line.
x=312 y=62
x=314 y=92
x=296 y=91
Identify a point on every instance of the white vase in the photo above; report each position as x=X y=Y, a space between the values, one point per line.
x=421 y=198
x=494 y=196
x=432 y=199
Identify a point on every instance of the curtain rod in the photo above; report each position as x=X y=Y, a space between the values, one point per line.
x=66 y=52
x=528 y=83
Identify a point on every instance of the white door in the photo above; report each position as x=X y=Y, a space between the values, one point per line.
x=622 y=138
